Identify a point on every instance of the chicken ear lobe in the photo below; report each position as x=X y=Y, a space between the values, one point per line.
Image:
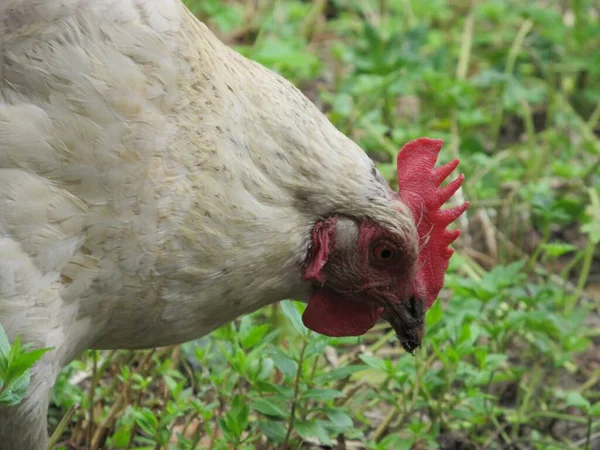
x=323 y=238
x=328 y=312
x=419 y=188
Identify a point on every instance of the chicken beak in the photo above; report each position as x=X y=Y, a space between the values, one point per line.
x=413 y=340
x=408 y=321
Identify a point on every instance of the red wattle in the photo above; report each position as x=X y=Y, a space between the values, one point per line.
x=331 y=314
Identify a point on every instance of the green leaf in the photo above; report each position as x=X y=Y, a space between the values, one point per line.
x=338 y=374
x=316 y=346
x=343 y=104
x=146 y=420
x=322 y=394
x=434 y=314
x=494 y=360
x=24 y=361
x=4 y=345
x=557 y=249
x=374 y=362
x=15 y=350
x=595 y=410
x=254 y=336
x=262 y=368
x=15 y=390
x=228 y=428
x=291 y=311
x=311 y=430
x=244 y=328
x=269 y=408
x=284 y=55
x=284 y=363
x=240 y=411
x=120 y=437
x=273 y=430
x=592 y=227
x=577 y=400
x=340 y=419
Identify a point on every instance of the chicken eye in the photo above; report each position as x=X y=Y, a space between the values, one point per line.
x=383 y=253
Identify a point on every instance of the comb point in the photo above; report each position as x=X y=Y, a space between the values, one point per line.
x=419 y=184
x=449 y=190
x=442 y=172
x=447 y=216
x=422 y=153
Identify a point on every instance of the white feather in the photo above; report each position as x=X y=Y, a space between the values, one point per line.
x=154 y=184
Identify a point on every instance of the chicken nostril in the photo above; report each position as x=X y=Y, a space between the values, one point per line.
x=412 y=306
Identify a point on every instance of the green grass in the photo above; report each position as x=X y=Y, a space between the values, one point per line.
x=511 y=357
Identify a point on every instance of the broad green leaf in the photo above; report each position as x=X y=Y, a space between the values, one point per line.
x=434 y=314
x=284 y=363
x=240 y=411
x=338 y=374
x=24 y=361
x=15 y=351
x=274 y=430
x=577 y=400
x=4 y=346
x=254 y=336
x=493 y=361
x=268 y=407
x=322 y=394
x=146 y=420
x=340 y=419
x=120 y=437
x=316 y=346
x=262 y=368
x=289 y=309
x=592 y=227
x=557 y=249
x=374 y=362
x=15 y=390
x=311 y=430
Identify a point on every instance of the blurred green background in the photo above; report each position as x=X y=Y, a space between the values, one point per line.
x=512 y=354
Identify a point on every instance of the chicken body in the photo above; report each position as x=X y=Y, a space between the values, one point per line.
x=154 y=184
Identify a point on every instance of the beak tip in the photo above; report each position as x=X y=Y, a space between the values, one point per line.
x=411 y=345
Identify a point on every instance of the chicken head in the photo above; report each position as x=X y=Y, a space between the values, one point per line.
x=363 y=271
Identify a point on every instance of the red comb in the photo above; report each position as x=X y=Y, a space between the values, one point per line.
x=419 y=188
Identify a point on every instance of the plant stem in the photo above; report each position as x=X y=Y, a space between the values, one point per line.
x=60 y=428
x=196 y=437
x=465 y=48
x=588 y=441
x=511 y=61
x=312 y=18
x=558 y=416
x=522 y=411
x=588 y=258
x=594 y=118
x=461 y=74
x=90 y=427
x=538 y=250
x=295 y=399
x=384 y=425
x=118 y=406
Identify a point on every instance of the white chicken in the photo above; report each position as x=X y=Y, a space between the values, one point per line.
x=154 y=185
